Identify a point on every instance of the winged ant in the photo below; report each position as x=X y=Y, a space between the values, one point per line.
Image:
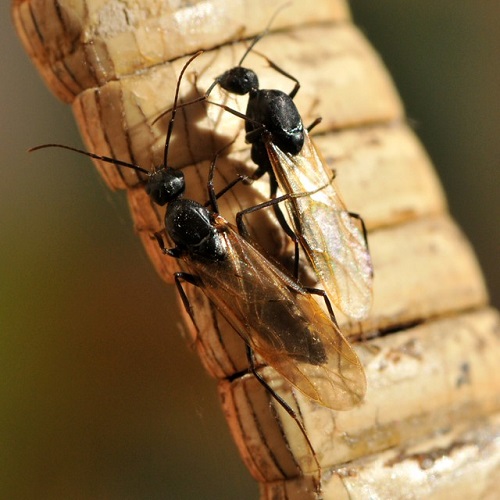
x=333 y=238
x=278 y=319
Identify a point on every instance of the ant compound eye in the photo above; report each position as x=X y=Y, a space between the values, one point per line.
x=165 y=185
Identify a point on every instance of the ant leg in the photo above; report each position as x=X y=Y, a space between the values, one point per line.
x=171 y=252
x=322 y=293
x=317 y=121
x=296 y=88
x=242 y=229
x=258 y=173
x=235 y=113
x=159 y=240
x=228 y=187
x=363 y=226
x=286 y=407
x=239 y=216
x=212 y=195
x=255 y=135
x=251 y=136
x=193 y=280
x=179 y=277
x=212 y=198
x=290 y=233
x=279 y=215
x=286 y=227
x=281 y=71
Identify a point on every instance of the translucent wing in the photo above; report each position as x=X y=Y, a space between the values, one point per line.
x=282 y=323
x=331 y=238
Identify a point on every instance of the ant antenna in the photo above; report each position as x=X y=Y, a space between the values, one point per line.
x=259 y=37
x=216 y=81
x=174 y=109
x=121 y=163
x=107 y=159
x=264 y=33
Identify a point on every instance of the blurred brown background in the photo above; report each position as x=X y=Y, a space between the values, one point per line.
x=100 y=397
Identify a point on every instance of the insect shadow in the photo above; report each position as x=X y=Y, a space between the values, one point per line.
x=280 y=322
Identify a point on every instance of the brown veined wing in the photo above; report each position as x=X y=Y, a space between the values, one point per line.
x=281 y=322
x=326 y=230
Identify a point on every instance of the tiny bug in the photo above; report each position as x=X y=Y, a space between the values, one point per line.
x=282 y=147
x=277 y=318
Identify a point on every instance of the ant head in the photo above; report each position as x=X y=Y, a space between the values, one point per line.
x=165 y=184
x=239 y=80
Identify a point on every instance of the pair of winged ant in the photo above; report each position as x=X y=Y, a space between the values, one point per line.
x=277 y=318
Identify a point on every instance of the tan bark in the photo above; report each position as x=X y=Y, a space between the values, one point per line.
x=428 y=424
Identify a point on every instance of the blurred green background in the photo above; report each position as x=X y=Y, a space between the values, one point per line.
x=100 y=397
